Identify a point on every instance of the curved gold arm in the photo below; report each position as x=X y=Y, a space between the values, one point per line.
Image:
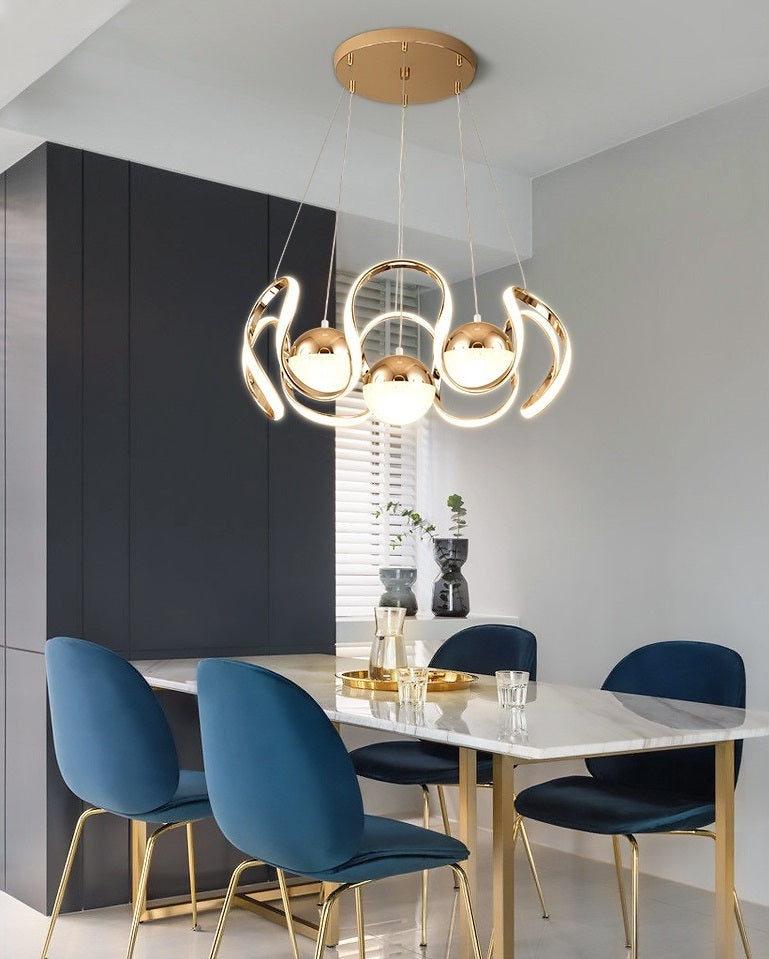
x=257 y=381
x=443 y=321
x=513 y=325
x=547 y=320
x=471 y=422
x=391 y=315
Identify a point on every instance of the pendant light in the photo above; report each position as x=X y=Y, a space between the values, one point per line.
x=406 y=66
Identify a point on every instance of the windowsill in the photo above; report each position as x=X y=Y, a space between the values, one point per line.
x=423 y=633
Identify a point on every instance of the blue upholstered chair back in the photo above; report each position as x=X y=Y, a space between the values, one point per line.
x=691 y=671
x=487 y=648
x=113 y=744
x=281 y=783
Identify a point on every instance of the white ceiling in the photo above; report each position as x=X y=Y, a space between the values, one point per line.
x=34 y=36
x=241 y=92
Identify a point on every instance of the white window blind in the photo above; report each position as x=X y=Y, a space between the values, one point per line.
x=375 y=463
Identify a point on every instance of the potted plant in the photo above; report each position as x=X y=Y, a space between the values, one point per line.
x=451 y=596
x=399 y=580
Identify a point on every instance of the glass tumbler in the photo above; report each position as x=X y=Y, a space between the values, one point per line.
x=412 y=685
x=512 y=685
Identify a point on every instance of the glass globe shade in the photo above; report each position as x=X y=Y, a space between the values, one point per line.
x=478 y=356
x=398 y=390
x=319 y=361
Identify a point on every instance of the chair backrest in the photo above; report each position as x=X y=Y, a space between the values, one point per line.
x=487 y=648
x=281 y=783
x=113 y=743
x=679 y=669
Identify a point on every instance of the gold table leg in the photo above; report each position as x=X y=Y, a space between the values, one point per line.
x=468 y=826
x=503 y=866
x=138 y=849
x=725 y=850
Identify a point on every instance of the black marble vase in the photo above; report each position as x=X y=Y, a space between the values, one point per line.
x=451 y=596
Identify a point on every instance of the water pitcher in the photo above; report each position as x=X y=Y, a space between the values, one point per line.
x=388 y=651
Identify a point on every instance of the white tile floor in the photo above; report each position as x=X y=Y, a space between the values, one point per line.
x=585 y=923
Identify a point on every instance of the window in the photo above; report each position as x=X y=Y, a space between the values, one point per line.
x=375 y=463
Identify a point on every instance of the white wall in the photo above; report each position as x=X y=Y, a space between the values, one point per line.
x=637 y=507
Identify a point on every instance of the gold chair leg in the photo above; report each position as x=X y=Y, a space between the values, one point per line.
x=77 y=833
x=425 y=872
x=444 y=814
x=633 y=896
x=709 y=834
x=287 y=910
x=453 y=919
x=141 y=897
x=621 y=885
x=360 y=923
x=446 y=823
x=193 y=885
x=325 y=914
x=464 y=886
x=490 y=953
x=231 y=890
x=741 y=926
x=520 y=826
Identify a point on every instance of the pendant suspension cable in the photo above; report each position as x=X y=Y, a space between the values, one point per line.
x=325 y=319
x=493 y=179
x=467 y=203
x=399 y=282
x=309 y=183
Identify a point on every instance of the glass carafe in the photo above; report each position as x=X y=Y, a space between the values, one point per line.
x=388 y=651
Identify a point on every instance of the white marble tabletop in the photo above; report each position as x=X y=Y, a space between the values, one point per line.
x=559 y=722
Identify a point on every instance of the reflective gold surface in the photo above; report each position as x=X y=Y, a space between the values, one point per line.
x=382 y=64
x=440 y=680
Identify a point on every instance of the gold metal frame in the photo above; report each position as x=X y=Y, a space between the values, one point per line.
x=382 y=64
x=519 y=828
x=630 y=920
x=330 y=895
x=272 y=404
x=139 y=884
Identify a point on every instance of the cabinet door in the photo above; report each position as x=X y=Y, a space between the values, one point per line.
x=302 y=576
x=199 y=451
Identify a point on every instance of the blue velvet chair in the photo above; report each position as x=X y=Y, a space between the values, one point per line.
x=116 y=752
x=477 y=649
x=283 y=789
x=671 y=791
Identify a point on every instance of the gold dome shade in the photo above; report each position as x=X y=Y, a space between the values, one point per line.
x=478 y=356
x=319 y=362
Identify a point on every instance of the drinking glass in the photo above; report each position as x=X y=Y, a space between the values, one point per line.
x=512 y=685
x=412 y=685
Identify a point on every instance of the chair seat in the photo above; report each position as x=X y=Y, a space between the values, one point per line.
x=586 y=804
x=392 y=848
x=190 y=801
x=409 y=763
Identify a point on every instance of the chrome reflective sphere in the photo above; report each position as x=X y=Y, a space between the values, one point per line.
x=319 y=362
x=478 y=356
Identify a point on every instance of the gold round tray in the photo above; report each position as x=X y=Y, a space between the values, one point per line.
x=439 y=681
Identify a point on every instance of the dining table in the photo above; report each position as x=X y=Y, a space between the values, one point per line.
x=559 y=722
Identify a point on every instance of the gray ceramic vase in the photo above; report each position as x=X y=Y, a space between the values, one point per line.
x=397 y=581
